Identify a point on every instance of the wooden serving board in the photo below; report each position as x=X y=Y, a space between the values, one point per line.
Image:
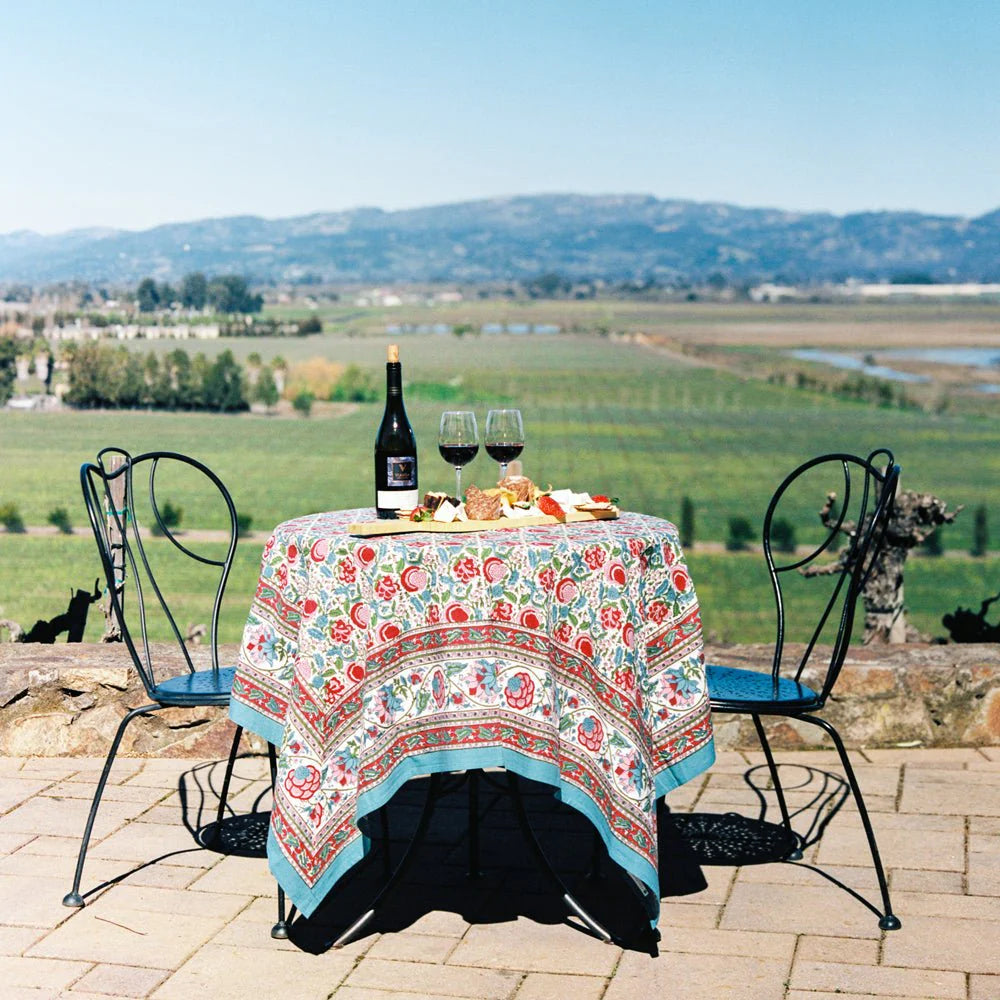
x=369 y=529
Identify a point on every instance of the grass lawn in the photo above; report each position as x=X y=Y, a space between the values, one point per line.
x=600 y=414
x=733 y=589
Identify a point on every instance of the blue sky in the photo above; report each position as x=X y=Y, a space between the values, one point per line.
x=135 y=114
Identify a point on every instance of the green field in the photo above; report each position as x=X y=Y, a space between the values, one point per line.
x=733 y=589
x=612 y=417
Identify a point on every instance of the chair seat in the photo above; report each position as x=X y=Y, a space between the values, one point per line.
x=736 y=689
x=203 y=687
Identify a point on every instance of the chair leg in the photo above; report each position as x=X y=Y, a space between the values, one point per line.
x=224 y=794
x=73 y=897
x=888 y=920
x=796 y=853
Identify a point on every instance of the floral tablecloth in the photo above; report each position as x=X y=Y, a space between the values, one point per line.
x=571 y=654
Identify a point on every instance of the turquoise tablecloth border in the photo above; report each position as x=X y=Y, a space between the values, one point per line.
x=307 y=898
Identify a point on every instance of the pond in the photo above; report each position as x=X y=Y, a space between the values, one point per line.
x=986 y=358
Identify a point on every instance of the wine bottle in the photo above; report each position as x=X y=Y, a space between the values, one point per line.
x=395 y=448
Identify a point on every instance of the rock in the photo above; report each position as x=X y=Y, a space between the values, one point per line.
x=65 y=700
x=42 y=677
x=39 y=736
x=81 y=702
x=90 y=678
x=13 y=685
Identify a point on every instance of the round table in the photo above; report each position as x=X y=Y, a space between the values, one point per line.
x=570 y=654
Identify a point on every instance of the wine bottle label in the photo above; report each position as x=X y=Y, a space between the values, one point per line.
x=400 y=472
x=397 y=499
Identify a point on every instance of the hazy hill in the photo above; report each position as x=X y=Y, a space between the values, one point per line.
x=580 y=236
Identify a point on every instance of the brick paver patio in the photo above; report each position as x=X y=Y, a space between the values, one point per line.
x=197 y=922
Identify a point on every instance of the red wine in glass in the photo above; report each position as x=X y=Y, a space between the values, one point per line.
x=504 y=437
x=458 y=455
x=458 y=441
x=504 y=452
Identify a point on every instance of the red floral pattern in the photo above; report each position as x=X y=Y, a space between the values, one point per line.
x=590 y=733
x=530 y=618
x=494 y=569
x=520 y=690
x=413 y=579
x=465 y=570
x=303 y=782
x=340 y=630
x=503 y=611
x=611 y=617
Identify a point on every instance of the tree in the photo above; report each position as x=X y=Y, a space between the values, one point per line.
x=933 y=546
x=311 y=325
x=159 y=390
x=224 y=387
x=90 y=367
x=740 y=534
x=783 y=535
x=266 y=389
x=230 y=293
x=980 y=533
x=171 y=516
x=185 y=380
x=10 y=518
x=59 y=516
x=548 y=285
x=147 y=295
x=355 y=386
x=8 y=368
x=687 y=522
x=194 y=290
x=913 y=519
x=303 y=402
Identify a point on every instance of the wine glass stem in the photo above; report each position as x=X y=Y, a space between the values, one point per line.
x=458 y=481
x=503 y=470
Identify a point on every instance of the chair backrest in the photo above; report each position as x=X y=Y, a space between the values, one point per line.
x=129 y=506
x=859 y=495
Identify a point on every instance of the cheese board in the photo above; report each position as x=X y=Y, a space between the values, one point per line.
x=370 y=529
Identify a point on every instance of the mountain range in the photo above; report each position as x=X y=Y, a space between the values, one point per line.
x=610 y=237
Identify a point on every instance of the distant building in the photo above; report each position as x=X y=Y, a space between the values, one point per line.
x=775 y=293
x=885 y=290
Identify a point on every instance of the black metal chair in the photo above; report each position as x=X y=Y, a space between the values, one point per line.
x=859 y=504
x=131 y=564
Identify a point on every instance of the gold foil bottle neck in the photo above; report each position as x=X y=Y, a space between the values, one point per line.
x=393 y=353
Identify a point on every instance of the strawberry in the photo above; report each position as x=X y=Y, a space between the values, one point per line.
x=549 y=506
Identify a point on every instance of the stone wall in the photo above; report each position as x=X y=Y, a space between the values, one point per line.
x=67 y=700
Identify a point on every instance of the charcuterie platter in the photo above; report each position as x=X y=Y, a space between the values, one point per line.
x=369 y=529
x=514 y=503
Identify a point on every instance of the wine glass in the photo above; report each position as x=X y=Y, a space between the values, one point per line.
x=504 y=437
x=458 y=441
